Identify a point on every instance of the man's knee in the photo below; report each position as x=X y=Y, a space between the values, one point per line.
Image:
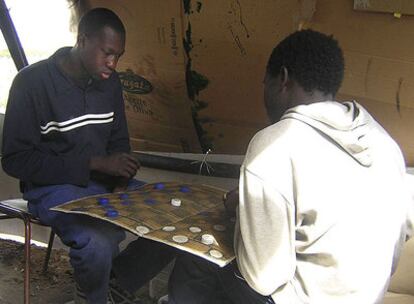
x=96 y=248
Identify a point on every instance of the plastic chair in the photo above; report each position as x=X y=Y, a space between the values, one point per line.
x=17 y=208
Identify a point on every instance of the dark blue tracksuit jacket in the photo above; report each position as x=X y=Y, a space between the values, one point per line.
x=52 y=127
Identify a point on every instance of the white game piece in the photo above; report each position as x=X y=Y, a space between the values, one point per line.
x=181 y=239
x=168 y=228
x=176 y=202
x=142 y=229
x=207 y=239
x=216 y=254
x=195 y=229
x=219 y=227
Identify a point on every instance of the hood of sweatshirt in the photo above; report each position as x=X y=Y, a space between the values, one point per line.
x=347 y=124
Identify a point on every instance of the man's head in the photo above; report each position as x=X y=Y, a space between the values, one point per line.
x=100 y=42
x=305 y=67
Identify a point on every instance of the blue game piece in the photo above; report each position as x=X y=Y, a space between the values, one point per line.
x=150 y=201
x=111 y=213
x=159 y=186
x=185 y=189
x=103 y=201
x=123 y=196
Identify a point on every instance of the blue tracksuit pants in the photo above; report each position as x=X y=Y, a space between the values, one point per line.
x=93 y=243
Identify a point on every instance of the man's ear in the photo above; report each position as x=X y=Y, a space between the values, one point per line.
x=80 y=40
x=284 y=76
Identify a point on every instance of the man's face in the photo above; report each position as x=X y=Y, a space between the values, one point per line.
x=100 y=52
x=274 y=97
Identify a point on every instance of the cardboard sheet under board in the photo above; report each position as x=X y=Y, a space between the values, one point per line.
x=199 y=225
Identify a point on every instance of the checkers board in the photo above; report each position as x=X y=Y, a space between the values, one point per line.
x=199 y=225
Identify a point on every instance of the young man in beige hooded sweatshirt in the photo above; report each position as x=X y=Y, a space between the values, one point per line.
x=323 y=207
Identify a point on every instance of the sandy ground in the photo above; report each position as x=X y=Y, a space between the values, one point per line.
x=54 y=287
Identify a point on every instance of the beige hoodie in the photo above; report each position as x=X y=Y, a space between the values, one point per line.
x=323 y=207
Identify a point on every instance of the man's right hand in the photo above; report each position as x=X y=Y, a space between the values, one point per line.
x=119 y=164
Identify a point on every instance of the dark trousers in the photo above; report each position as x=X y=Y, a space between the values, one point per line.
x=197 y=281
x=94 y=243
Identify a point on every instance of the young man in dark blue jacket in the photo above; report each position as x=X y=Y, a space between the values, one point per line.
x=66 y=137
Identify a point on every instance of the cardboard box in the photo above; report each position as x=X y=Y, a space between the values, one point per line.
x=215 y=77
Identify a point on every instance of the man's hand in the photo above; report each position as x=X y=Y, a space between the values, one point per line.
x=119 y=164
x=121 y=184
x=231 y=201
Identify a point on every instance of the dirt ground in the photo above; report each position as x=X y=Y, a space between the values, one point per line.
x=54 y=287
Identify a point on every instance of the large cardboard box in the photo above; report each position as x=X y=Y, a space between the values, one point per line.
x=204 y=62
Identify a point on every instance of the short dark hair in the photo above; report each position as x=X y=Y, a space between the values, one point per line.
x=314 y=60
x=94 y=20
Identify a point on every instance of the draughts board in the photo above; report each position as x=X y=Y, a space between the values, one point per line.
x=148 y=212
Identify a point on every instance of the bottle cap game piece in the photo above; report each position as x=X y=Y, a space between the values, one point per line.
x=216 y=254
x=168 y=228
x=111 y=213
x=185 y=189
x=142 y=229
x=219 y=227
x=207 y=239
x=103 y=201
x=181 y=239
x=176 y=202
x=124 y=196
x=195 y=229
x=159 y=186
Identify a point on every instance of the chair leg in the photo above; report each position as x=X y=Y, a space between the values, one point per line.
x=27 y=238
x=49 y=250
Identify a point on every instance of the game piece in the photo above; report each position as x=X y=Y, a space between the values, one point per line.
x=194 y=229
x=181 y=239
x=176 y=202
x=159 y=186
x=207 y=239
x=168 y=228
x=126 y=203
x=219 y=227
x=103 y=201
x=185 y=189
x=142 y=230
x=111 y=213
x=216 y=254
x=124 y=196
